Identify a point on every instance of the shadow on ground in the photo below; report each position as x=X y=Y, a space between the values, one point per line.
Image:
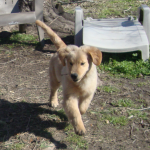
x=5 y=38
x=128 y=56
x=24 y=117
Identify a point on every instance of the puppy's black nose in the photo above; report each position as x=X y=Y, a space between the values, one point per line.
x=74 y=76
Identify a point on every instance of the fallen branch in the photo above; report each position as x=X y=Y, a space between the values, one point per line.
x=139 y=109
x=127 y=10
x=54 y=20
x=7 y=62
x=65 y=3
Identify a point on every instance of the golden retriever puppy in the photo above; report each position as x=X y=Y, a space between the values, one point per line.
x=74 y=68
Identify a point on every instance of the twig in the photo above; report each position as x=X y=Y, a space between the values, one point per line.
x=7 y=62
x=3 y=49
x=139 y=109
x=144 y=124
x=55 y=19
x=127 y=10
x=145 y=133
x=131 y=129
x=24 y=62
x=65 y=3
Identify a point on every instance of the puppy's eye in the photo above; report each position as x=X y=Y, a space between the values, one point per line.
x=71 y=63
x=82 y=64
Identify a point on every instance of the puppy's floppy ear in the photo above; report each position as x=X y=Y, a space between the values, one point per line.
x=95 y=53
x=62 y=53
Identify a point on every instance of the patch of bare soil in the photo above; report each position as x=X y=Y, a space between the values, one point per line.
x=28 y=123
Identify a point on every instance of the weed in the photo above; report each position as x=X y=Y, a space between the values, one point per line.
x=68 y=128
x=18 y=39
x=62 y=115
x=142 y=103
x=108 y=9
x=94 y=112
x=10 y=47
x=108 y=12
x=44 y=144
x=127 y=69
x=77 y=140
x=116 y=120
x=108 y=89
x=17 y=146
x=23 y=38
x=23 y=101
x=113 y=116
x=137 y=114
x=9 y=52
x=141 y=84
x=123 y=103
x=51 y=116
x=59 y=116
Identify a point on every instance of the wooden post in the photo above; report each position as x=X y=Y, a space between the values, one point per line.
x=22 y=28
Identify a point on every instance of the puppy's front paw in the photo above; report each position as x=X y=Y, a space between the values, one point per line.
x=80 y=130
x=53 y=104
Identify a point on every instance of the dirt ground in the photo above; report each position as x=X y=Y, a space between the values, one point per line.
x=28 y=123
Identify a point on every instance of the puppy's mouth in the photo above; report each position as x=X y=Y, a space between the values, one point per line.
x=74 y=77
x=75 y=80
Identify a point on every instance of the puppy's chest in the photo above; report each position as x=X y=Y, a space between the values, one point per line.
x=88 y=86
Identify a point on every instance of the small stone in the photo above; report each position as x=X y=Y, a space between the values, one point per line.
x=107 y=121
x=130 y=116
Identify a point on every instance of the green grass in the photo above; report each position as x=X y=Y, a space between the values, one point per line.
x=127 y=68
x=107 y=9
x=137 y=114
x=60 y=115
x=23 y=38
x=44 y=145
x=123 y=103
x=122 y=111
x=16 y=146
x=141 y=102
x=116 y=120
x=108 y=89
x=140 y=84
x=76 y=140
x=113 y=116
x=79 y=141
x=19 y=39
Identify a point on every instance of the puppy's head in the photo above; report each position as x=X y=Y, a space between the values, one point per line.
x=79 y=60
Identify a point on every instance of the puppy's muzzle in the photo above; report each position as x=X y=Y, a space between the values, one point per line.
x=74 y=77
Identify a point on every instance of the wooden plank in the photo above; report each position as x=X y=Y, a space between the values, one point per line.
x=39 y=9
x=17 y=18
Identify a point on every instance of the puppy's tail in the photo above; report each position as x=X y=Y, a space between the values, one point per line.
x=53 y=36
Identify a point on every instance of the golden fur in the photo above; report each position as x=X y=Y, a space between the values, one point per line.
x=74 y=68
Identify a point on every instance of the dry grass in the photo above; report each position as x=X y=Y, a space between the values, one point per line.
x=107 y=8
